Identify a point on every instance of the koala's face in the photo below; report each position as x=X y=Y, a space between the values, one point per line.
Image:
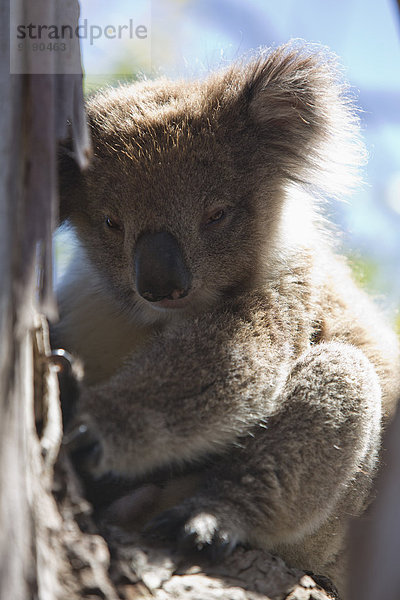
x=180 y=205
x=167 y=211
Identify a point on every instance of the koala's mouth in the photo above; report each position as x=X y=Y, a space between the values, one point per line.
x=169 y=303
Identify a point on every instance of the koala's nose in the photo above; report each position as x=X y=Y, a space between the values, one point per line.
x=160 y=268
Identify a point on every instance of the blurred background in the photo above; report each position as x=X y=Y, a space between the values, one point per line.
x=187 y=38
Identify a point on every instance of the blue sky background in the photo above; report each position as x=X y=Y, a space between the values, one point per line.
x=189 y=37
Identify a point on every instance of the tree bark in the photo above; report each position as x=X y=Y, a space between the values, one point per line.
x=31 y=121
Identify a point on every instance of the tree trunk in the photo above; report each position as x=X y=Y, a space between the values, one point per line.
x=34 y=109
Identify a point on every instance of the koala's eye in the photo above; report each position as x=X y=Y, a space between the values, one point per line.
x=113 y=224
x=215 y=217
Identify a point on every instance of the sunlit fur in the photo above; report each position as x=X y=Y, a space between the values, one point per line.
x=280 y=367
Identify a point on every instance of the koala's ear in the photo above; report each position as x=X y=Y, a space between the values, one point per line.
x=287 y=89
x=302 y=116
x=71 y=183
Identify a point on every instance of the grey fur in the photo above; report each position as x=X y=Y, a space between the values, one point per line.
x=278 y=368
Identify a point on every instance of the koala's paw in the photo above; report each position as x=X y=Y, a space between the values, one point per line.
x=195 y=531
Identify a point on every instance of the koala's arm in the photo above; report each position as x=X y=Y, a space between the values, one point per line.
x=193 y=392
x=289 y=474
x=292 y=483
x=292 y=430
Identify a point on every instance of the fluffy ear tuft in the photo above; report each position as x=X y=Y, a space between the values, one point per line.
x=305 y=117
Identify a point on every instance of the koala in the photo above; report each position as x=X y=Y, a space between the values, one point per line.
x=222 y=335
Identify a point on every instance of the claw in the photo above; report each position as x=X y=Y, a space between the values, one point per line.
x=84 y=447
x=69 y=373
x=62 y=361
x=76 y=438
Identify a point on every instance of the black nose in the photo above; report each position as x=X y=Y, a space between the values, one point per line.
x=160 y=268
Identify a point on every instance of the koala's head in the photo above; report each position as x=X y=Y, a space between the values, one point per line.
x=182 y=204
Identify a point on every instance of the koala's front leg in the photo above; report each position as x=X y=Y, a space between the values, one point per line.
x=294 y=480
x=194 y=392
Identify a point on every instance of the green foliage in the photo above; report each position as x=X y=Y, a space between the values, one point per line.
x=125 y=70
x=365 y=271
x=368 y=274
x=94 y=82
